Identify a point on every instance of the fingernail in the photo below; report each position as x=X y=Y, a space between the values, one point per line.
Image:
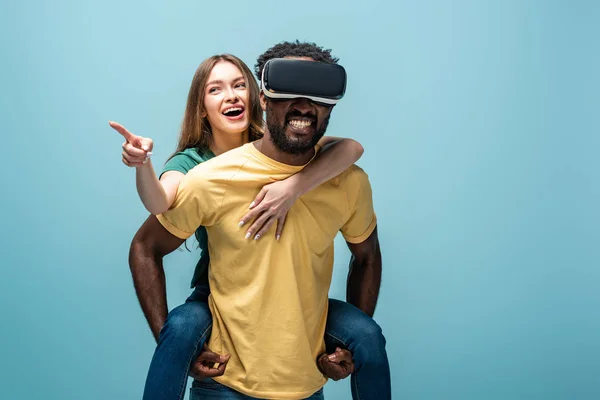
x=241 y=223
x=149 y=153
x=278 y=236
x=256 y=237
x=252 y=204
x=248 y=235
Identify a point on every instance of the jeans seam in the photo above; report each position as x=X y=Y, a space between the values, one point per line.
x=355 y=380
x=211 y=384
x=356 y=388
x=182 y=389
x=336 y=338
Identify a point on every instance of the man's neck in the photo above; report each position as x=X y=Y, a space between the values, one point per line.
x=268 y=148
x=223 y=142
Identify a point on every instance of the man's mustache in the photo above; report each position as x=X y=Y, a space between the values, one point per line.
x=296 y=113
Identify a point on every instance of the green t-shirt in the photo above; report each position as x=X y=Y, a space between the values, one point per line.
x=183 y=162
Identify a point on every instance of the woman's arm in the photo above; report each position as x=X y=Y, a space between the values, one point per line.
x=274 y=200
x=156 y=195
x=338 y=154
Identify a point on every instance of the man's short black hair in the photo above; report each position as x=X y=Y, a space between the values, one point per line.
x=293 y=49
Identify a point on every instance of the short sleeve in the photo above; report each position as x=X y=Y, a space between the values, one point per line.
x=362 y=220
x=197 y=204
x=180 y=162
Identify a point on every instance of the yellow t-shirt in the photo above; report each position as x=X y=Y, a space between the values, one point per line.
x=269 y=298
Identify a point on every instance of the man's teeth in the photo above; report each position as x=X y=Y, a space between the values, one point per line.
x=299 y=123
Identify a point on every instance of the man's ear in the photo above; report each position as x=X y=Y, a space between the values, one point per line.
x=263 y=101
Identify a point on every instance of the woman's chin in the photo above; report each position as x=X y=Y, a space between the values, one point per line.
x=235 y=127
x=234 y=131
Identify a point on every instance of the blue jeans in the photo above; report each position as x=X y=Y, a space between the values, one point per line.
x=208 y=389
x=188 y=327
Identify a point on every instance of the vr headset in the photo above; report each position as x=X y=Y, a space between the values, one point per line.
x=285 y=79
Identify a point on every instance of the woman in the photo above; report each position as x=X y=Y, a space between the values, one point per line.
x=222 y=113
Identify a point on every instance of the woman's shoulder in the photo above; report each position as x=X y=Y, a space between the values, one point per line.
x=197 y=155
x=185 y=160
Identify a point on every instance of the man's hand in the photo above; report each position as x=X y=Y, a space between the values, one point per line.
x=203 y=367
x=336 y=366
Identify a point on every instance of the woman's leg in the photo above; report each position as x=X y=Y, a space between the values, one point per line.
x=186 y=330
x=350 y=328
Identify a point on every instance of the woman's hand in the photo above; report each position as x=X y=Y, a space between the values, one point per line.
x=271 y=204
x=136 y=149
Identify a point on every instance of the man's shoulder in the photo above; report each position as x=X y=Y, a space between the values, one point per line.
x=353 y=176
x=220 y=167
x=231 y=159
x=354 y=170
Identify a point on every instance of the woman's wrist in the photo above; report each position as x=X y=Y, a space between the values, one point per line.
x=298 y=184
x=145 y=166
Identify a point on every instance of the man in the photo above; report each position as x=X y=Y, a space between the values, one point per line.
x=269 y=298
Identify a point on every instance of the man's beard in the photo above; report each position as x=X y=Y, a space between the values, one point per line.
x=288 y=145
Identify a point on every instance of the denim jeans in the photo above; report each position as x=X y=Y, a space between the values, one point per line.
x=188 y=327
x=208 y=389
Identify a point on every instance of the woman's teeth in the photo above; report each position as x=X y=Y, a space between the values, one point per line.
x=232 y=110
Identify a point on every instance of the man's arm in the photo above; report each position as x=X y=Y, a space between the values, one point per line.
x=151 y=243
x=364 y=277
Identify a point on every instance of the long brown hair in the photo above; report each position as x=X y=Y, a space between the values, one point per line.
x=195 y=129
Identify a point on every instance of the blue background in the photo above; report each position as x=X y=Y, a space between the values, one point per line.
x=481 y=129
